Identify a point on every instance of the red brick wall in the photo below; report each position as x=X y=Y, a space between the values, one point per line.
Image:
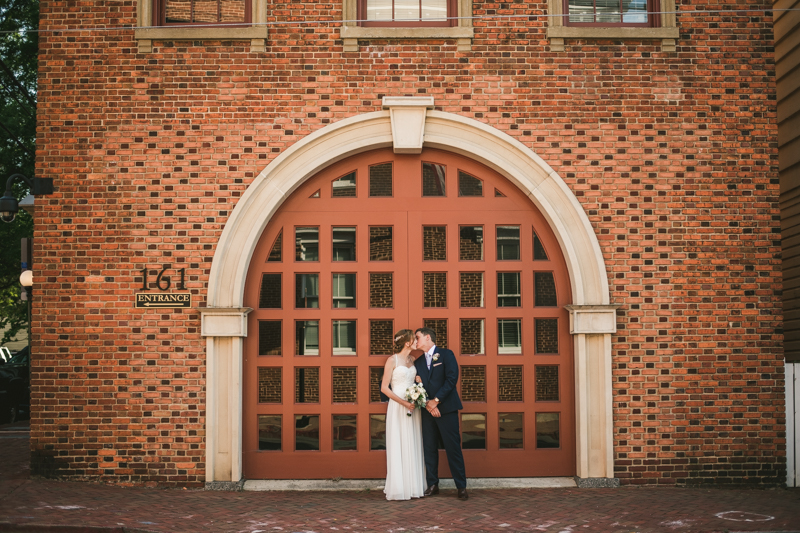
x=672 y=155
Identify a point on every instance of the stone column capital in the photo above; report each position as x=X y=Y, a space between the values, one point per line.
x=224 y=321
x=592 y=319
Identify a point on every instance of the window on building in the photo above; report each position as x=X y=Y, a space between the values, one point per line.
x=407 y=13
x=636 y=13
x=181 y=12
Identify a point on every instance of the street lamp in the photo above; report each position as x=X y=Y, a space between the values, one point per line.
x=9 y=206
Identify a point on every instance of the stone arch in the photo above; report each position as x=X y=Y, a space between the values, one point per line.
x=408 y=125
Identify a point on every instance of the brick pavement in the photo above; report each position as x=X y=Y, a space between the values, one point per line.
x=47 y=505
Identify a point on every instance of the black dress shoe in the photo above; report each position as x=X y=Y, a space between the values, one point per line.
x=462 y=494
x=432 y=490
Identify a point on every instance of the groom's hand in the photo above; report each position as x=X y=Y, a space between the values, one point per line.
x=435 y=412
x=431 y=405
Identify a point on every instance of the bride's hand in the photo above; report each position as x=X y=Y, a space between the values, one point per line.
x=418 y=379
x=411 y=406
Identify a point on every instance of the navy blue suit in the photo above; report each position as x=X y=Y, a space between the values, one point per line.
x=440 y=382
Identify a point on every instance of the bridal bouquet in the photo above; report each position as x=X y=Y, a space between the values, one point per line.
x=417 y=395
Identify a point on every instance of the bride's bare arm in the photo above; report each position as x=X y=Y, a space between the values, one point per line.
x=388 y=368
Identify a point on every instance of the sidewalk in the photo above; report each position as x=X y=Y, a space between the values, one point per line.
x=43 y=505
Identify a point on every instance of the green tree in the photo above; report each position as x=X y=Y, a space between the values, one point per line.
x=19 y=45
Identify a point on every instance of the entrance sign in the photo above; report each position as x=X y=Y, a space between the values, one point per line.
x=163 y=300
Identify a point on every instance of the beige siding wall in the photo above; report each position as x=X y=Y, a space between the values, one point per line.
x=787 y=72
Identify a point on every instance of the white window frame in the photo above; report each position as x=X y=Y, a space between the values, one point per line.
x=338 y=350
x=513 y=350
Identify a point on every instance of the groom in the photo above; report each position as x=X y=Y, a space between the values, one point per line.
x=438 y=369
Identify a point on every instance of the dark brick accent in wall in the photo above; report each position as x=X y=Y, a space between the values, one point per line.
x=269 y=384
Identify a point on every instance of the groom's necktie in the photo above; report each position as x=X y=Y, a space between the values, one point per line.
x=428 y=358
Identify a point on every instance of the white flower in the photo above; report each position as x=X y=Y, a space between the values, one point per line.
x=435 y=357
x=414 y=395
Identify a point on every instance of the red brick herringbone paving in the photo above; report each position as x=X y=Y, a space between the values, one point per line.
x=36 y=504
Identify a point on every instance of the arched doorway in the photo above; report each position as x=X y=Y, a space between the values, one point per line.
x=592 y=318
x=378 y=242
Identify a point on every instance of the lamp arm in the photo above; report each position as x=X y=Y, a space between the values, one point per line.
x=10 y=183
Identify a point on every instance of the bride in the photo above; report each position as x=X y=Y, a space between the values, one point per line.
x=405 y=462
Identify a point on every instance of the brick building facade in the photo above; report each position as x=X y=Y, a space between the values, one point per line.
x=667 y=141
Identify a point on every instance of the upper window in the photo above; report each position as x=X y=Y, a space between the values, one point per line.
x=638 y=13
x=407 y=13
x=194 y=12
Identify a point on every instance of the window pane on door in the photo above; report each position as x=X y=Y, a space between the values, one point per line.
x=547 y=335
x=269 y=432
x=306 y=290
x=434 y=243
x=547 y=430
x=471 y=289
x=344 y=337
x=545 y=289
x=344 y=433
x=269 y=384
x=439 y=326
x=469 y=185
x=306 y=247
x=380 y=180
x=344 y=187
x=435 y=289
x=508 y=289
x=507 y=243
x=375 y=379
x=306 y=385
x=380 y=290
x=344 y=244
x=269 y=337
x=473 y=383
x=510 y=383
x=538 y=249
x=433 y=177
x=473 y=431
x=470 y=243
x=380 y=243
x=509 y=336
x=377 y=432
x=344 y=290
x=270 y=294
x=275 y=255
x=344 y=384
x=547 y=383
x=306 y=432
x=510 y=429
x=306 y=340
x=380 y=337
x=472 y=336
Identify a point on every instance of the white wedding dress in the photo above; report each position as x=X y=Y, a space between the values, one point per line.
x=405 y=462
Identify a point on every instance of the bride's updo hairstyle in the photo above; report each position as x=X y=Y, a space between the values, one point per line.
x=401 y=338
